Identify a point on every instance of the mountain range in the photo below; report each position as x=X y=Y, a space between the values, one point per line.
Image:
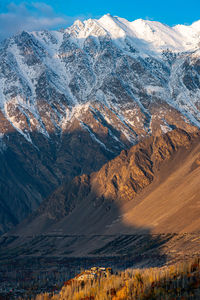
x=71 y=100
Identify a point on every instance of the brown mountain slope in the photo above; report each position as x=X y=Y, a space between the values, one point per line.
x=142 y=205
x=153 y=186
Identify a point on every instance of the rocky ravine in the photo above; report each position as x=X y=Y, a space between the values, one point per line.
x=71 y=100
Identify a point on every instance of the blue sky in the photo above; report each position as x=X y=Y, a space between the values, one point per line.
x=17 y=15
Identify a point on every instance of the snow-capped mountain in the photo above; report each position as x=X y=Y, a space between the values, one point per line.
x=72 y=99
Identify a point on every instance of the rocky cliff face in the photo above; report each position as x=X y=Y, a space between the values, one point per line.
x=70 y=100
x=122 y=182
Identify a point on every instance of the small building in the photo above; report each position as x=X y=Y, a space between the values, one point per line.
x=86 y=276
x=93 y=273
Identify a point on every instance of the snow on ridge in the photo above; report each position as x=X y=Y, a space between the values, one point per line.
x=50 y=40
x=159 y=36
x=57 y=53
x=149 y=37
x=196 y=25
x=93 y=136
x=112 y=26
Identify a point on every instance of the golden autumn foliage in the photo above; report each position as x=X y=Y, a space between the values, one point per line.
x=179 y=281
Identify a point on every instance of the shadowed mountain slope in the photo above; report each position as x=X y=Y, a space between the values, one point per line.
x=164 y=164
x=150 y=190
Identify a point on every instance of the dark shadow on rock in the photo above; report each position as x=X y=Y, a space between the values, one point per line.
x=29 y=173
x=92 y=230
x=56 y=251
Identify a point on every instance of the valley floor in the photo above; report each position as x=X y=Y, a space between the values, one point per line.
x=178 y=281
x=31 y=269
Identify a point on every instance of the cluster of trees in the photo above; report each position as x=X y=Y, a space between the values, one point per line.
x=179 y=281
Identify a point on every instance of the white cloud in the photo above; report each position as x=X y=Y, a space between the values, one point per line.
x=34 y=16
x=43 y=7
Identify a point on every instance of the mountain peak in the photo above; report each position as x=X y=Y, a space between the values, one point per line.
x=78 y=23
x=108 y=20
x=106 y=16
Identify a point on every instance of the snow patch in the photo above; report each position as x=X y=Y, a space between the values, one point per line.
x=83 y=125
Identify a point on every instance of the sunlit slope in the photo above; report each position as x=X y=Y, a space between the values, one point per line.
x=153 y=187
